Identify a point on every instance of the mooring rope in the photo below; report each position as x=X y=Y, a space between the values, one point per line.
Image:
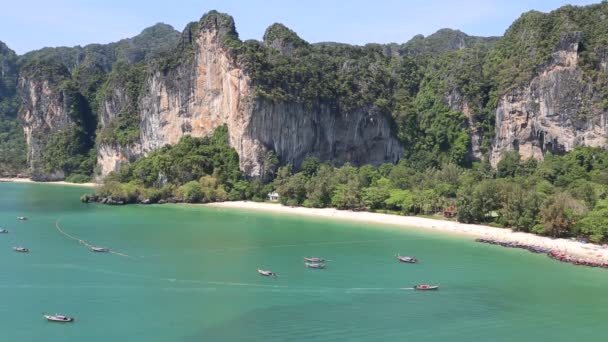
x=83 y=242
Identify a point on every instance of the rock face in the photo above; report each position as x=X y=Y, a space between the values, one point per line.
x=43 y=112
x=457 y=102
x=215 y=89
x=553 y=113
x=113 y=157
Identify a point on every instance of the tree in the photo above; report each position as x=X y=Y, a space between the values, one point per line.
x=348 y=196
x=310 y=165
x=595 y=223
x=367 y=175
x=320 y=188
x=520 y=207
x=400 y=200
x=559 y=213
x=375 y=195
x=401 y=176
x=466 y=211
x=508 y=165
x=486 y=200
x=292 y=191
x=191 y=192
x=269 y=162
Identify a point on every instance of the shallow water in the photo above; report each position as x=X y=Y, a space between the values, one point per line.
x=189 y=274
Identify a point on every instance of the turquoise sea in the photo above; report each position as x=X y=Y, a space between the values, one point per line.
x=188 y=273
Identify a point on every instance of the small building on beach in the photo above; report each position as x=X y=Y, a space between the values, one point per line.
x=273 y=196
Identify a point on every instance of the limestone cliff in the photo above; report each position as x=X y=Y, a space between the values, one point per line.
x=456 y=101
x=214 y=87
x=43 y=112
x=554 y=113
x=446 y=98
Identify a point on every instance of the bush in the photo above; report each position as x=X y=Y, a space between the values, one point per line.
x=191 y=192
x=78 y=178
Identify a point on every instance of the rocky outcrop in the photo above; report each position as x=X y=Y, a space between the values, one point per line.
x=111 y=157
x=554 y=113
x=43 y=112
x=295 y=132
x=196 y=97
x=214 y=88
x=458 y=103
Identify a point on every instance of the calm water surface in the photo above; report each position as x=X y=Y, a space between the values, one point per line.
x=189 y=274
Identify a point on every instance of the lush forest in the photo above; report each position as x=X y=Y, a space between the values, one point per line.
x=193 y=170
x=560 y=196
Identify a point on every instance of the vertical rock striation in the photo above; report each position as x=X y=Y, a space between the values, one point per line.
x=212 y=87
x=554 y=113
x=43 y=112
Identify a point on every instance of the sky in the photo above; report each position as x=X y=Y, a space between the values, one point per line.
x=33 y=24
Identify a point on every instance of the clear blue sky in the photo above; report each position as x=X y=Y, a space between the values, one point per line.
x=29 y=25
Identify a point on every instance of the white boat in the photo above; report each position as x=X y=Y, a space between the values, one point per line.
x=314 y=265
x=313 y=259
x=407 y=259
x=21 y=218
x=267 y=273
x=59 y=318
x=3 y=231
x=100 y=249
x=21 y=249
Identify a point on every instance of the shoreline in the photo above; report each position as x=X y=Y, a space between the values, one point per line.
x=585 y=251
x=29 y=180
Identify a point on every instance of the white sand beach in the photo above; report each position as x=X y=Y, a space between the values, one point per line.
x=580 y=250
x=28 y=180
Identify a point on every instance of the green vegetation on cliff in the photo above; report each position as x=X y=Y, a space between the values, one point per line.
x=70 y=150
x=409 y=85
x=193 y=170
x=12 y=141
x=124 y=128
x=529 y=43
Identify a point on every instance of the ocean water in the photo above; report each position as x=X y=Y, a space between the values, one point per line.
x=187 y=273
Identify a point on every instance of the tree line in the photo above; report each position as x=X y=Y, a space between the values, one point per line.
x=559 y=196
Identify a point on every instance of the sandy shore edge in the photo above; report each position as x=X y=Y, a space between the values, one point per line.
x=574 y=248
x=28 y=180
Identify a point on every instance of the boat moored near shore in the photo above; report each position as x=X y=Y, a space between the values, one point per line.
x=314 y=265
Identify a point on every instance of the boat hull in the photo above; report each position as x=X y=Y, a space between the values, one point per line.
x=58 y=320
x=426 y=288
x=267 y=273
x=407 y=260
x=314 y=259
